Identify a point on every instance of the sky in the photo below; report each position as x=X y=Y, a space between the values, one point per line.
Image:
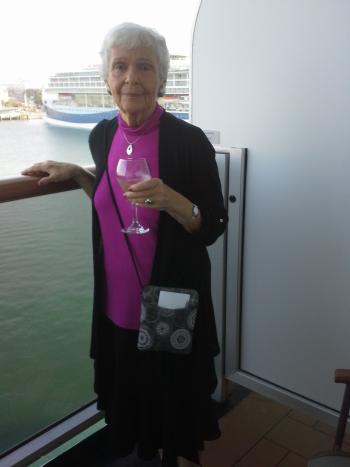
x=41 y=37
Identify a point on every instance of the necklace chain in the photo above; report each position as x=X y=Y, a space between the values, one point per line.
x=129 y=149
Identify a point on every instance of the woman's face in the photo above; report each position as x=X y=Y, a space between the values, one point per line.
x=133 y=79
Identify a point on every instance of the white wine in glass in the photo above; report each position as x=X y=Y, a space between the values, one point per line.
x=130 y=171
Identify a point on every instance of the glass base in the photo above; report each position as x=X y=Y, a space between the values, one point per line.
x=136 y=228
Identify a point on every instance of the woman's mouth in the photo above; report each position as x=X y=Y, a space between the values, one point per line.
x=132 y=94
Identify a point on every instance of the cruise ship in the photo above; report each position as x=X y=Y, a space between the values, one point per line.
x=79 y=98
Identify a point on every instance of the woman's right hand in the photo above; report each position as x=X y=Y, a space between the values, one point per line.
x=52 y=171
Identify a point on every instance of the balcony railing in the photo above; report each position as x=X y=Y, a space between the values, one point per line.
x=16 y=188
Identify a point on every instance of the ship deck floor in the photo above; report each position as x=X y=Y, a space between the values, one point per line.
x=256 y=432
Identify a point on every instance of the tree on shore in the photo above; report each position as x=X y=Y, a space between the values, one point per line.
x=34 y=96
x=12 y=102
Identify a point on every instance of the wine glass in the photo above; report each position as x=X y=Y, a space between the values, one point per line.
x=130 y=171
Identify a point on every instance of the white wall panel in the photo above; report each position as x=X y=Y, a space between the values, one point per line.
x=274 y=76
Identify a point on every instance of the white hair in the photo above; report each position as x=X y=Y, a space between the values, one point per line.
x=133 y=35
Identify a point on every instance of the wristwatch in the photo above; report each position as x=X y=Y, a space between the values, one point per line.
x=195 y=211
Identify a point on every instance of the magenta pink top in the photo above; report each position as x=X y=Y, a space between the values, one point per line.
x=122 y=286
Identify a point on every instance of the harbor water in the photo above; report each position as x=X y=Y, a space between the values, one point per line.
x=45 y=287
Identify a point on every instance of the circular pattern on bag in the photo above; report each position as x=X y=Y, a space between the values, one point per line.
x=180 y=339
x=191 y=319
x=166 y=312
x=145 y=340
x=162 y=328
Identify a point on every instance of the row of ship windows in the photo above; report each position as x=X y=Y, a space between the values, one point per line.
x=102 y=88
x=89 y=73
x=174 y=89
x=169 y=89
x=96 y=81
x=80 y=76
x=76 y=84
x=76 y=80
x=177 y=82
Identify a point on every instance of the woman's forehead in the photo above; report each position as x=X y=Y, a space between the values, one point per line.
x=132 y=53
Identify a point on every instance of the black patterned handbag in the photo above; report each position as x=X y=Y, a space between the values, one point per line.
x=163 y=328
x=168 y=315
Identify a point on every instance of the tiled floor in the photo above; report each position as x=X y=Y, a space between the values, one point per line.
x=259 y=432
x=256 y=432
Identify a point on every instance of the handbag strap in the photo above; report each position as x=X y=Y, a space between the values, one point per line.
x=115 y=204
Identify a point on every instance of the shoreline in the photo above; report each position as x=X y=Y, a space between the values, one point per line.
x=19 y=114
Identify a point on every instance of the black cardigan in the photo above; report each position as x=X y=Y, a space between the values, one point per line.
x=187 y=164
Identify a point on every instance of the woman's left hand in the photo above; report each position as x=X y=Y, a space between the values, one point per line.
x=151 y=193
x=157 y=195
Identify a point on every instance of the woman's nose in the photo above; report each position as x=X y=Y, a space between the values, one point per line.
x=131 y=76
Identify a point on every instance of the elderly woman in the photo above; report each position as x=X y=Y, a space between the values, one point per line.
x=152 y=400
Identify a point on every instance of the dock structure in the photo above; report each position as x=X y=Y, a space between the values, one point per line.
x=13 y=114
x=18 y=114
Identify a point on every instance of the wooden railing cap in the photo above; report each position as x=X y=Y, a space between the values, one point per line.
x=13 y=189
x=342 y=376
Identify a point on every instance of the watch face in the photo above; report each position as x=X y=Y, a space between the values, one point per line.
x=195 y=210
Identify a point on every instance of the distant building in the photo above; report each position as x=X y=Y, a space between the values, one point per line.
x=16 y=91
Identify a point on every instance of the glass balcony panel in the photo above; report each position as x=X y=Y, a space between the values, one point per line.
x=45 y=312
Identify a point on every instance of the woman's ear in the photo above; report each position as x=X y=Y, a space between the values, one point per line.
x=161 y=90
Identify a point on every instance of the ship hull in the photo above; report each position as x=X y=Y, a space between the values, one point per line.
x=75 y=117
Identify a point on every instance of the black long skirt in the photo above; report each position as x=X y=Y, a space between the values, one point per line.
x=154 y=400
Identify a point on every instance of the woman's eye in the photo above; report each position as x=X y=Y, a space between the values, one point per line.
x=119 y=66
x=145 y=66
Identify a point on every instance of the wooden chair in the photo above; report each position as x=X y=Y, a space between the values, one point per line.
x=337 y=457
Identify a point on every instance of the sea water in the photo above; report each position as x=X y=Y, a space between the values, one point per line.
x=45 y=287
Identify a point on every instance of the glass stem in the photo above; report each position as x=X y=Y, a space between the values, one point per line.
x=136 y=219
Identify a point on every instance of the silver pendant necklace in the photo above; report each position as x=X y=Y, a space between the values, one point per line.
x=130 y=149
